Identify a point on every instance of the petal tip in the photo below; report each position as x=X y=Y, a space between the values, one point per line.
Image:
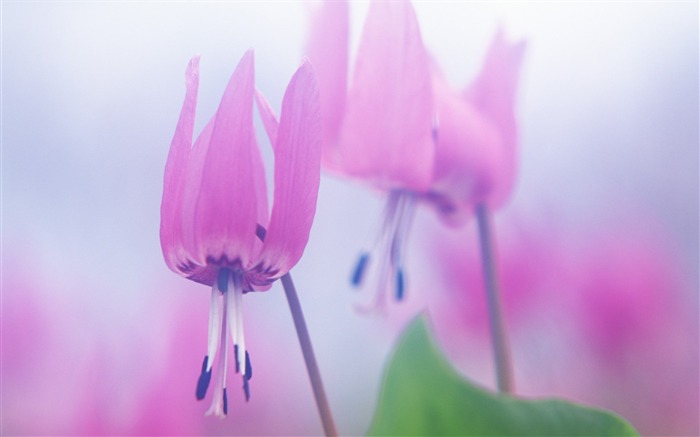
x=192 y=72
x=247 y=61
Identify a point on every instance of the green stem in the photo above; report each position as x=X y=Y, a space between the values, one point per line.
x=308 y=352
x=499 y=336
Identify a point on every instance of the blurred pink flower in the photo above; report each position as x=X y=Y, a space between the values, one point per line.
x=601 y=317
x=46 y=353
x=477 y=135
x=214 y=197
x=61 y=375
x=637 y=323
x=381 y=130
x=26 y=343
x=404 y=131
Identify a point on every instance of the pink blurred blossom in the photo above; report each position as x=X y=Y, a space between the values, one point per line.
x=477 y=135
x=597 y=316
x=215 y=197
x=399 y=127
x=46 y=355
x=60 y=375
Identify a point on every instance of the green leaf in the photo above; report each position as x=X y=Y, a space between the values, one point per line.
x=423 y=395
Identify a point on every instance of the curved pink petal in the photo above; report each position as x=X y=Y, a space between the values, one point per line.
x=327 y=50
x=268 y=116
x=468 y=156
x=260 y=187
x=269 y=119
x=175 y=170
x=226 y=210
x=297 y=175
x=191 y=266
x=493 y=94
x=387 y=132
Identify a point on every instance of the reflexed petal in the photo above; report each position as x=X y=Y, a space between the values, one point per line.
x=193 y=180
x=268 y=116
x=175 y=170
x=468 y=156
x=297 y=174
x=493 y=94
x=226 y=209
x=327 y=50
x=193 y=267
x=269 y=119
x=387 y=132
x=260 y=187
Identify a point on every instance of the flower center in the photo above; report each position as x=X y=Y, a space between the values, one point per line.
x=225 y=318
x=398 y=215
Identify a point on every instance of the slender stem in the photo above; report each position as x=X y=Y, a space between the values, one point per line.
x=308 y=351
x=499 y=336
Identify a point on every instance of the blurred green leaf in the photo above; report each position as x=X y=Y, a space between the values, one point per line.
x=423 y=395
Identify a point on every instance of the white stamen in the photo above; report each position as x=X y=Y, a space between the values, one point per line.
x=404 y=219
x=240 y=339
x=390 y=246
x=398 y=216
x=217 y=401
x=231 y=308
x=214 y=324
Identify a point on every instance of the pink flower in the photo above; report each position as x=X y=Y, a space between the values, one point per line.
x=404 y=131
x=30 y=338
x=601 y=317
x=477 y=135
x=382 y=130
x=46 y=351
x=214 y=197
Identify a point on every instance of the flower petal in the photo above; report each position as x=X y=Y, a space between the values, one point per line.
x=226 y=210
x=175 y=169
x=269 y=119
x=493 y=94
x=268 y=116
x=387 y=133
x=297 y=175
x=468 y=155
x=260 y=187
x=327 y=50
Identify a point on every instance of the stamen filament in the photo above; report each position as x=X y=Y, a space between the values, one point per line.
x=215 y=319
x=234 y=302
x=233 y=319
x=219 y=402
x=240 y=338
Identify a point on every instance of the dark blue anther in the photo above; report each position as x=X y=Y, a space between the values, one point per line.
x=203 y=381
x=246 y=389
x=399 y=285
x=359 y=271
x=248 y=367
x=225 y=402
x=260 y=232
x=235 y=356
x=222 y=280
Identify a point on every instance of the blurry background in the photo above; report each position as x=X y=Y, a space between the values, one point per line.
x=98 y=336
